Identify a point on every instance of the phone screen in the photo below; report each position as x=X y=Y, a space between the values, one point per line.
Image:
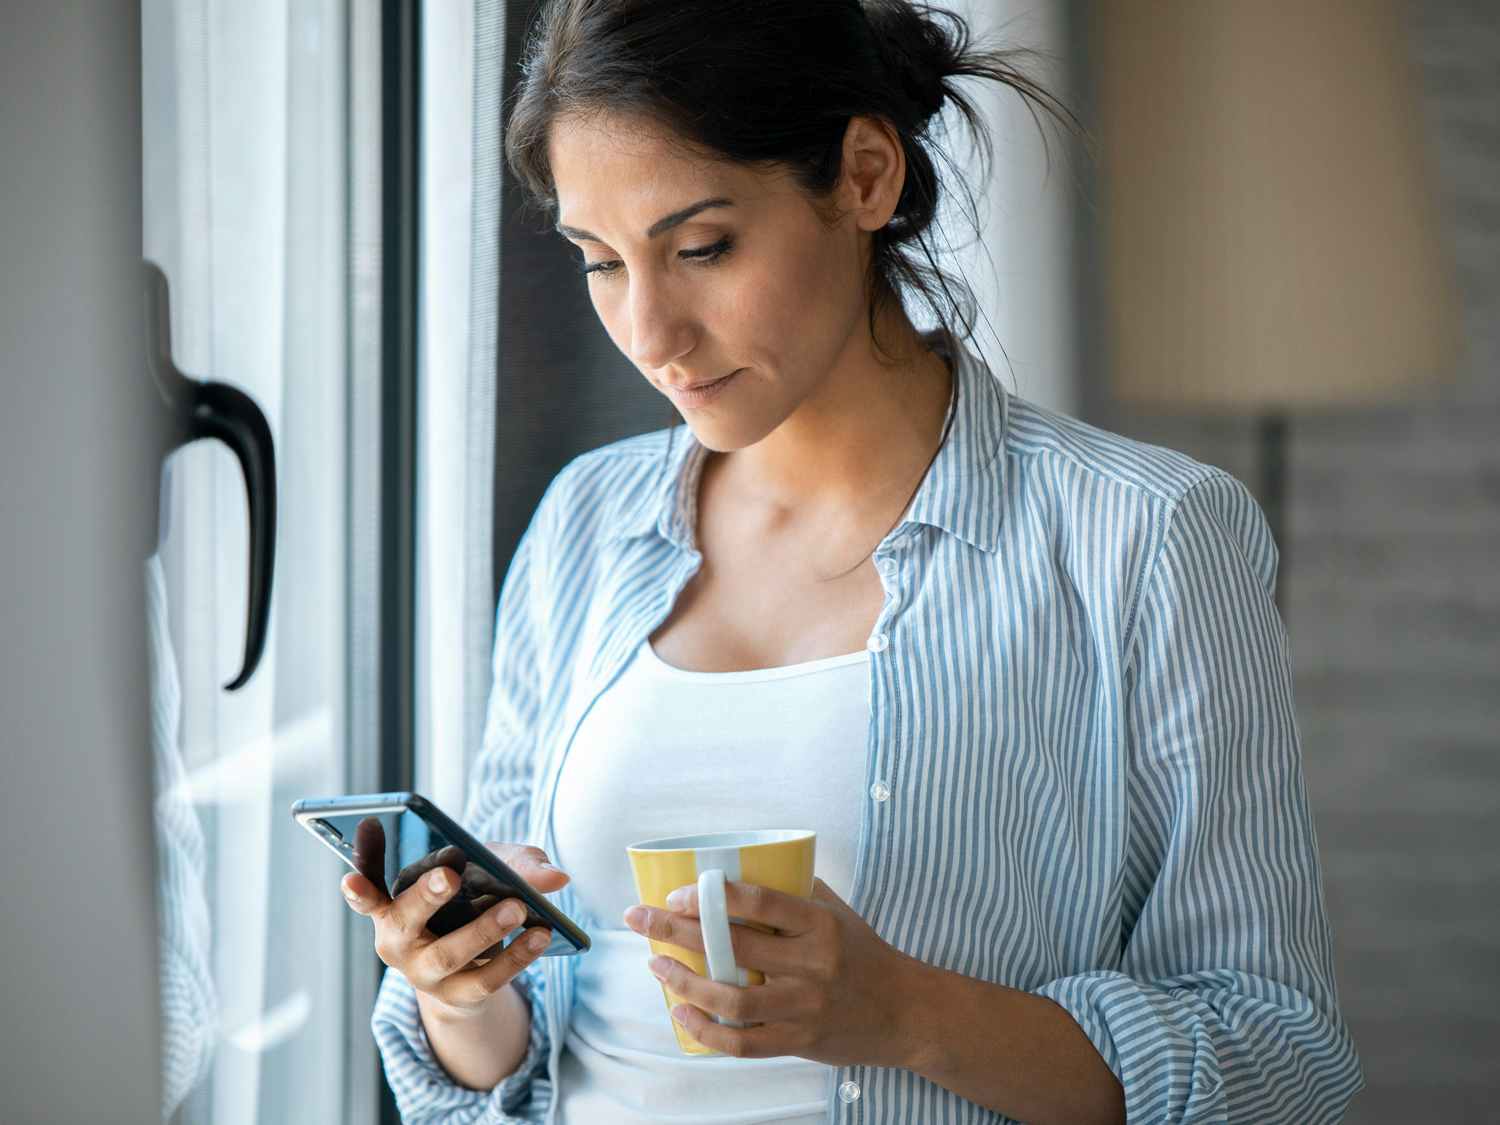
x=396 y=847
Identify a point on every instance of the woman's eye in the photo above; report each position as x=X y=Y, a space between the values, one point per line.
x=707 y=255
x=702 y=255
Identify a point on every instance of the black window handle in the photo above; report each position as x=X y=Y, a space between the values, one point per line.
x=216 y=410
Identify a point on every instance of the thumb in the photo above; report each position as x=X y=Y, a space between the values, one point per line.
x=532 y=862
x=823 y=893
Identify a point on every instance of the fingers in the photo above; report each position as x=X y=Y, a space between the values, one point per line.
x=769 y=953
x=360 y=893
x=400 y=923
x=471 y=988
x=429 y=966
x=444 y=966
x=531 y=864
x=449 y=856
x=757 y=1003
x=788 y=914
x=369 y=851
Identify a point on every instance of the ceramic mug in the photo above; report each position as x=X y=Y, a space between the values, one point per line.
x=778 y=858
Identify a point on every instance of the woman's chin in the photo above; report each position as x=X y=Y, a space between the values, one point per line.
x=725 y=435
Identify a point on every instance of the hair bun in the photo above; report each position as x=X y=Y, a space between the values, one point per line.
x=917 y=55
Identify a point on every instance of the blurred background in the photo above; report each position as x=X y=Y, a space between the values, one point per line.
x=1281 y=256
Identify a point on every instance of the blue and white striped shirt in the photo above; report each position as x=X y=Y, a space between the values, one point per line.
x=1083 y=777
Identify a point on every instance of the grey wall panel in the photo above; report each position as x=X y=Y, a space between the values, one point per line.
x=78 y=480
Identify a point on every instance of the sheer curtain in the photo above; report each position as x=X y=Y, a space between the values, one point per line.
x=457 y=338
x=245 y=151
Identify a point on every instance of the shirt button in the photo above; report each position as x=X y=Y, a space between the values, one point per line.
x=848 y=1091
x=878 y=643
x=880 y=791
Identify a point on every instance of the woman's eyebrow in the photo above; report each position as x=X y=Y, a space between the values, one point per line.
x=661 y=226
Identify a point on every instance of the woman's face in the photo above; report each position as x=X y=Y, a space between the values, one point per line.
x=702 y=268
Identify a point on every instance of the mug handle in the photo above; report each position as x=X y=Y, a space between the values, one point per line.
x=713 y=919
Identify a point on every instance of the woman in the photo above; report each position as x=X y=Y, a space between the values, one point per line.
x=1024 y=677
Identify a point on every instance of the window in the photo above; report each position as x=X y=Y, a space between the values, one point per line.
x=248 y=116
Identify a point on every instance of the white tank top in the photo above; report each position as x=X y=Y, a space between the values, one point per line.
x=669 y=752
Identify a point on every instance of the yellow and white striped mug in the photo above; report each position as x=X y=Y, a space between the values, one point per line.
x=779 y=858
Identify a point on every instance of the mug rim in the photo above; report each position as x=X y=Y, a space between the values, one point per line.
x=700 y=841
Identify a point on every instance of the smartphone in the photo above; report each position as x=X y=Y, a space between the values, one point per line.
x=393 y=839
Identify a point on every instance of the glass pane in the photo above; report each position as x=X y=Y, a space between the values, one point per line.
x=244 y=131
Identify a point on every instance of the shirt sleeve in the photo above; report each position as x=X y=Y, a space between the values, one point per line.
x=497 y=808
x=1224 y=1007
x=424 y=1092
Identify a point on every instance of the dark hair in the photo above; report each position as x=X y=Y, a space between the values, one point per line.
x=775 y=82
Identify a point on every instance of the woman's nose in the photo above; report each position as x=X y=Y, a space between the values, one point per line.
x=660 y=331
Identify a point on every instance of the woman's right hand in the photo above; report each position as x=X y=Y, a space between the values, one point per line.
x=445 y=967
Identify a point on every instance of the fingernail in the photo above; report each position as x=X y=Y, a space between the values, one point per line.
x=437 y=882
x=549 y=867
x=677 y=899
x=635 y=916
x=538 y=942
x=658 y=967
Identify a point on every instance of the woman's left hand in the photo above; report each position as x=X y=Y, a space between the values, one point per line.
x=834 y=992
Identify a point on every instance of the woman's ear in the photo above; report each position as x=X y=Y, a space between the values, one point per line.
x=873 y=173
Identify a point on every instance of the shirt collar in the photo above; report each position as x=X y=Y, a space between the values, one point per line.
x=960 y=493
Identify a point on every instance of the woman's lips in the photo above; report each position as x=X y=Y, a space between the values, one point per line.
x=698 y=396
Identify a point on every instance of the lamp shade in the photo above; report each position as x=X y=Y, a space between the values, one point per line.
x=1272 y=238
